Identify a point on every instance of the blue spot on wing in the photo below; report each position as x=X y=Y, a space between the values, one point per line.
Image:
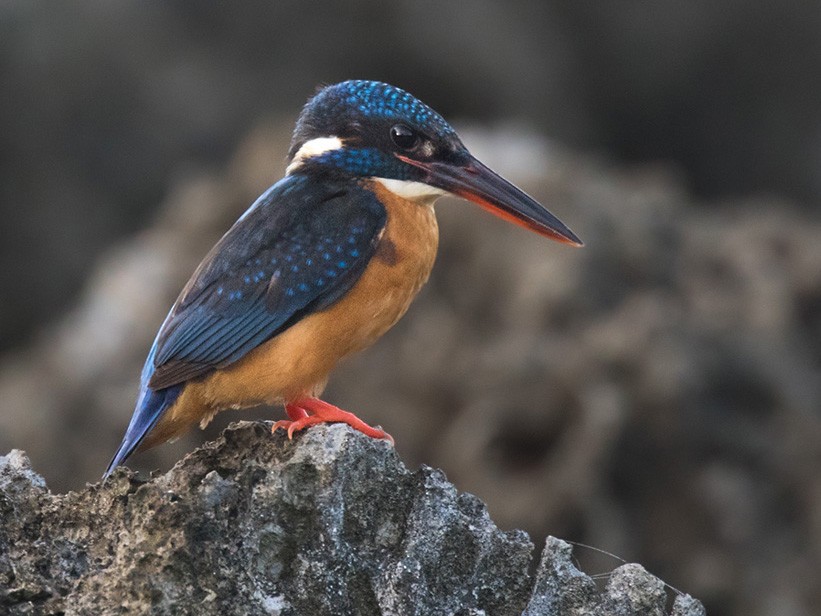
x=239 y=298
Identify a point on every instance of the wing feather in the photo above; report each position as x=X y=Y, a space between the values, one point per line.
x=297 y=250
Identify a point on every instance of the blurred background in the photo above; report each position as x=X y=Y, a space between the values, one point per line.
x=656 y=394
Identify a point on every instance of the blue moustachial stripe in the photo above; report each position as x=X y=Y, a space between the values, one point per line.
x=366 y=162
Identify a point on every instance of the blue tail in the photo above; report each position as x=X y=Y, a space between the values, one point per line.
x=150 y=407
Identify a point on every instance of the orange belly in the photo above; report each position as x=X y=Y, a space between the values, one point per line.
x=297 y=361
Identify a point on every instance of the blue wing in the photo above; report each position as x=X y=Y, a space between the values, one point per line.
x=298 y=250
x=300 y=247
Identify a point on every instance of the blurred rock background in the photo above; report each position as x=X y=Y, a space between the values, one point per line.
x=655 y=394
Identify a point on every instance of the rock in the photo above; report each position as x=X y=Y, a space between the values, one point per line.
x=329 y=523
x=560 y=588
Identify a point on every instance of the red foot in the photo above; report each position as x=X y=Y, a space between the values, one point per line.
x=310 y=411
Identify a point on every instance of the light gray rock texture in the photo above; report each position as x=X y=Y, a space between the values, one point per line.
x=329 y=523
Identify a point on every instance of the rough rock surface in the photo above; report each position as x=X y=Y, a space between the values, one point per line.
x=330 y=523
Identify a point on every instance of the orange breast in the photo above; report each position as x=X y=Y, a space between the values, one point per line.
x=298 y=361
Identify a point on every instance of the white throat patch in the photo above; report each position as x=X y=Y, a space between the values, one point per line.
x=313 y=148
x=412 y=191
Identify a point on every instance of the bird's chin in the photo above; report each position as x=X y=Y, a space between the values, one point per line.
x=418 y=192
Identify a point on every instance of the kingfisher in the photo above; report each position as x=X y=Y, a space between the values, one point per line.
x=320 y=266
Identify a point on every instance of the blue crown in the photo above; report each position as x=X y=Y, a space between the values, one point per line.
x=375 y=99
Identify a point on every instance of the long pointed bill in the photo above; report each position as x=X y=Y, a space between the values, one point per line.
x=478 y=183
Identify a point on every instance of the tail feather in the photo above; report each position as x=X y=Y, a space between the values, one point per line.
x=150 y=407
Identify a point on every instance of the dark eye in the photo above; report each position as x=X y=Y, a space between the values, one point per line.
x=404 y=137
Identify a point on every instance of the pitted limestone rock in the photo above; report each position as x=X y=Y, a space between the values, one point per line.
x=329 y=523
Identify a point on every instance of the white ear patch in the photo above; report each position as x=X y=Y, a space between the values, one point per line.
x=312 y=148
x=412 y=191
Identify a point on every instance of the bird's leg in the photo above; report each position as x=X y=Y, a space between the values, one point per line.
x=295 y=412
x=309 y=411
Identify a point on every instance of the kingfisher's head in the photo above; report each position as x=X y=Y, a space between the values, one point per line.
x=370 y=129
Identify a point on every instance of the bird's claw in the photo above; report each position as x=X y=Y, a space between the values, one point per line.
x=311 y=411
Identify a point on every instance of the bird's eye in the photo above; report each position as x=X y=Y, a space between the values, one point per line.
x=404 y=137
